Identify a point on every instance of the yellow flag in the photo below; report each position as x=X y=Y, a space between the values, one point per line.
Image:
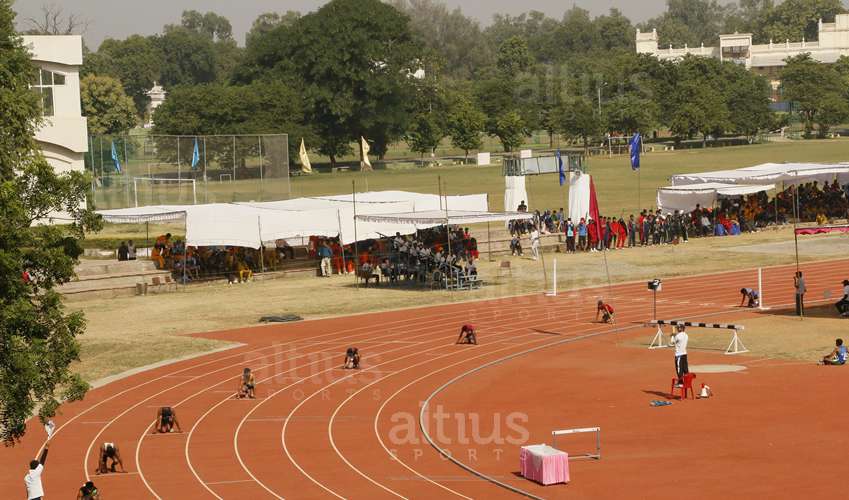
x=366 y=149
x=306 y=167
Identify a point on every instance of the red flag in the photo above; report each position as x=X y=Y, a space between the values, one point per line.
x=594 y=209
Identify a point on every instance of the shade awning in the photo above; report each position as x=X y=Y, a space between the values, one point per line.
x=685 y=198
x=768 y=173
x=433 y=218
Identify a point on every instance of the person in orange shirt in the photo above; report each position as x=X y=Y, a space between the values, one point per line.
x=160 y=251
x=338 y=266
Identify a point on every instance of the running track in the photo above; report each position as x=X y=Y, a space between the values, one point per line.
x=317 y=431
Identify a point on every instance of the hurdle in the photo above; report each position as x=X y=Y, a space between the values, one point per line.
x=564 y=432
x=735 y=347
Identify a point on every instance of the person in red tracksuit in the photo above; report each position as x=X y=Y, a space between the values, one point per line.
x=606 y=312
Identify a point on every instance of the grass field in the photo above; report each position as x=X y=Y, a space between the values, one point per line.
x=615 y=182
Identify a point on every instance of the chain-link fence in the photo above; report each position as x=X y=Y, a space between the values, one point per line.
x=140 y=170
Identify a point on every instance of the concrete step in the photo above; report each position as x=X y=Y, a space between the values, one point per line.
x=89 y=267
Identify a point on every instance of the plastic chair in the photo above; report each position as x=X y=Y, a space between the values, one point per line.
x=686 y=386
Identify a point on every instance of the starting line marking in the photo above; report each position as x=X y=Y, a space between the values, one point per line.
x=234 y=481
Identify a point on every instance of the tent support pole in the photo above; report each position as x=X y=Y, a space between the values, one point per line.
x=439 y=183
x=147 y=235
x=341 y=245
x=261 y=246
x=356 y=246
x=488 y=242
x=795 y=222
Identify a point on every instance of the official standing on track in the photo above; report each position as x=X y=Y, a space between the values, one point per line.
x=679 y=340
x=799 y=283
x=35 y=491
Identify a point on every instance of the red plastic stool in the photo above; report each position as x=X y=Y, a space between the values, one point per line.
x=686 y=386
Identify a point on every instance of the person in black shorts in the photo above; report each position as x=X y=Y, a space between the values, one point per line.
x=166 y=419
x=247 y=385
x=88 y=491
x=109 y=451
x=467 y=335
x=352 y=359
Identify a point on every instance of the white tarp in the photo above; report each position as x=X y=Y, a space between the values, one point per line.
x=770 y=173
x=433 y=218
x=514 y=192
x=246 y=224
x=686 y=197
x=579 y=196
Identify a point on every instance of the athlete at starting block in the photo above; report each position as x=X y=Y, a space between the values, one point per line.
x=467 y=335
x=606 y=311
x=751 y=295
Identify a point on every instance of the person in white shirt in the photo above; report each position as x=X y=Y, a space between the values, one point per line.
x=799 y=284
x=679 y=340
x=35 y=491
x=535 y=242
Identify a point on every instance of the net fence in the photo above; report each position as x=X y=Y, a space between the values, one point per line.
x=141 y=170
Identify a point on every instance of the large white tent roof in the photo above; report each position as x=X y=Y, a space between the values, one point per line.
x=248 y=224
x=769 y=173
x=433 y=218
x=686 y=197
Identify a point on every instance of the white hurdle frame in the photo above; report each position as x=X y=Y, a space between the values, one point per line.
x=735 y=347
x=554 y=280
x=562 y=432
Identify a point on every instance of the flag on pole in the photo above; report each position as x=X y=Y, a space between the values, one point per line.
x=306 y=166
x=115 y=158
x=195 y=156
x=560 y=167
x=594 y=214
x=635 y=145
x=366 y=149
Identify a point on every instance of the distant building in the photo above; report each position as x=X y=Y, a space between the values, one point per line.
x=157 y=97
x=766 y=59
x=63 y=137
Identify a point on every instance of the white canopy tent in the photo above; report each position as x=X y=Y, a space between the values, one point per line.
x=433 y=218
x=686 y=197
x=249 y=224
x=770 y=173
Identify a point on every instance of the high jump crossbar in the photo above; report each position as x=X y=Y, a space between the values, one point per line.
x=563 y=432
x=735 y=347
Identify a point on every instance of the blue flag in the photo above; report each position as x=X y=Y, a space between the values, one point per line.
x=195 y=156
x=635 y=145
x=560 y=167
x=115 y=158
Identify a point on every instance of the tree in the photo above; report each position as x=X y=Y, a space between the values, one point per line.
x=38 y=339
x=136 y=62
x=793 y=19
x=810 y=85
x=615 y=30
x=356 y=78
x=210 y=24
x=465 y=124
x=748 y=104
x=107 y=107
x=513 y=56
x=425 y=134
x=53 y=21
x=268 y=21
x=579 y=120
x=188 y=57
x=690 y=22
x=510 y=130
x=832 y=109
x=629 y=113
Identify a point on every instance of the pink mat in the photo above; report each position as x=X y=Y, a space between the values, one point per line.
x=544 y=464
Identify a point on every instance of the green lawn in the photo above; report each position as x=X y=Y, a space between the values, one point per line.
x=616 y=184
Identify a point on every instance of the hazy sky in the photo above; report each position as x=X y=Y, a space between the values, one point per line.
x=119 y=18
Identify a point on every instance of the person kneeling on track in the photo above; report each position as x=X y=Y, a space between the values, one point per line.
x=467 y=335
x=843 y=304
x=751 y=295
x=166 y=419
x=109 y=451
x=606 y=311
x=837 y=356
x=88 y=491
x=352 y=359
x=247 y=385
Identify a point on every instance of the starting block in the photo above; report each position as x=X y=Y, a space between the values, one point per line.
x=565 y=432
x=735 y=347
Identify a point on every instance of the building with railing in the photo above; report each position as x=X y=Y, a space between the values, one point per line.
x=765 y=59
x=63 y=137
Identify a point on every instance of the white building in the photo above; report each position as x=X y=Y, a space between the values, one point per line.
x=157 y=97
x=64 y=135
x=765 y=59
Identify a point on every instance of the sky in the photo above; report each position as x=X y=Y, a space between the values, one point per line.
x=121 y=18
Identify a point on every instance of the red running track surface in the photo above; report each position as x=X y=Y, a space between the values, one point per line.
x=775 y=430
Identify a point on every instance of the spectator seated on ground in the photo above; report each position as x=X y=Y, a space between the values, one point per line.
x=367 y=273
x=467 y=335
x=109 y=452
x=606 y=312
x=166 y=419
x=720 y=230
x=842 y=305
x=837 y=356
x=516 y=245
x=751 y=295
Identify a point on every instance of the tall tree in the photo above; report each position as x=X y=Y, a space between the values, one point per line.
x=628 y=113
x=38 y=339
x=513 y=56
x=748 y=103
x=580 y=120
x=136 y=62
x=209 y=24
x=268 y=21
x=107 y=107
x=188 y=57
x=812 y=87
x=793 y=19
x=465 y=123
x=54 y=21
x=510 y=129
